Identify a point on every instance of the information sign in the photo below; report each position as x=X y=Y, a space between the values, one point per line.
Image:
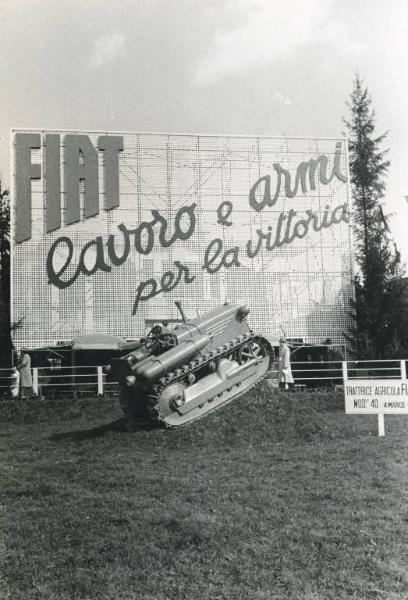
x=376 y=396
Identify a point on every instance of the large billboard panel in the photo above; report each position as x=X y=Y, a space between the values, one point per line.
x=110 y=228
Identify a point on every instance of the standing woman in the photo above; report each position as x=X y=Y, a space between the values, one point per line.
x=285 y=376
x=26 y=381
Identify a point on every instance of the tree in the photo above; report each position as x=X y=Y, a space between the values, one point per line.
x=5 y=329
x=377 y=331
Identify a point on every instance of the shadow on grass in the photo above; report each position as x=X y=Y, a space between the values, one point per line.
x=122 y=425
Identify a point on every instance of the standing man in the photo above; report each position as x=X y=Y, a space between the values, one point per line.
x=285 y=376
x=26 y=381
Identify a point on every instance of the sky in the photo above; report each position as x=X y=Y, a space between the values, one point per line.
x=246 y=67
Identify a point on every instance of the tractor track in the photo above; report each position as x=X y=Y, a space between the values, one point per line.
x=201 y=361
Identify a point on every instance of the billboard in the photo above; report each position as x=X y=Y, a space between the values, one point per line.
x=108 y=229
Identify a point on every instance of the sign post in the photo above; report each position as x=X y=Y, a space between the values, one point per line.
x=376 y=396
x=381 y=428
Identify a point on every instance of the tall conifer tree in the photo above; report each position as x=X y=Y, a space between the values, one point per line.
x=378 y=330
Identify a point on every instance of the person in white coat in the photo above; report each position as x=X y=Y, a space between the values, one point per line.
x=26 y=381
x=285 y=376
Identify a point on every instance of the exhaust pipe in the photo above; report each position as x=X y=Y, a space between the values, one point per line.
x=178 y=304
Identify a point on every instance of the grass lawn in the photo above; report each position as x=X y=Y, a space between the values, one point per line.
x=276 y=496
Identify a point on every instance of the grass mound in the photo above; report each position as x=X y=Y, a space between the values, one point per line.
x=267 y=413
x=276 y=496
x=298 y=416
x=59 y=408
x=295 y=416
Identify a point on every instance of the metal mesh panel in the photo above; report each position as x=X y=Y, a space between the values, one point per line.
x=303 y=287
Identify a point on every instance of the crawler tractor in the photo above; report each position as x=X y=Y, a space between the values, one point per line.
x=178 y=375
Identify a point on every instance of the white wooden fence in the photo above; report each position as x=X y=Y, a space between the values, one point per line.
x=92 y=378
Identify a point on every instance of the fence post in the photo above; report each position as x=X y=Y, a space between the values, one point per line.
x=403 y=370
x=14 y=383
x=344 y=368
x=35 y=381
x=100 y=380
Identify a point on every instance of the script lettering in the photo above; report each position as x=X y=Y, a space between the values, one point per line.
x=300 y=228
x=229 y=258
x=99 y=255
x=169 y=280
x=144 y=238
x=223 y=213
x=311 y=167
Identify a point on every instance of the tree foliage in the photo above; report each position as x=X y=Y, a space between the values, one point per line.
x=380 y=307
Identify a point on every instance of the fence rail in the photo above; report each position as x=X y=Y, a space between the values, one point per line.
x=308 y=373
